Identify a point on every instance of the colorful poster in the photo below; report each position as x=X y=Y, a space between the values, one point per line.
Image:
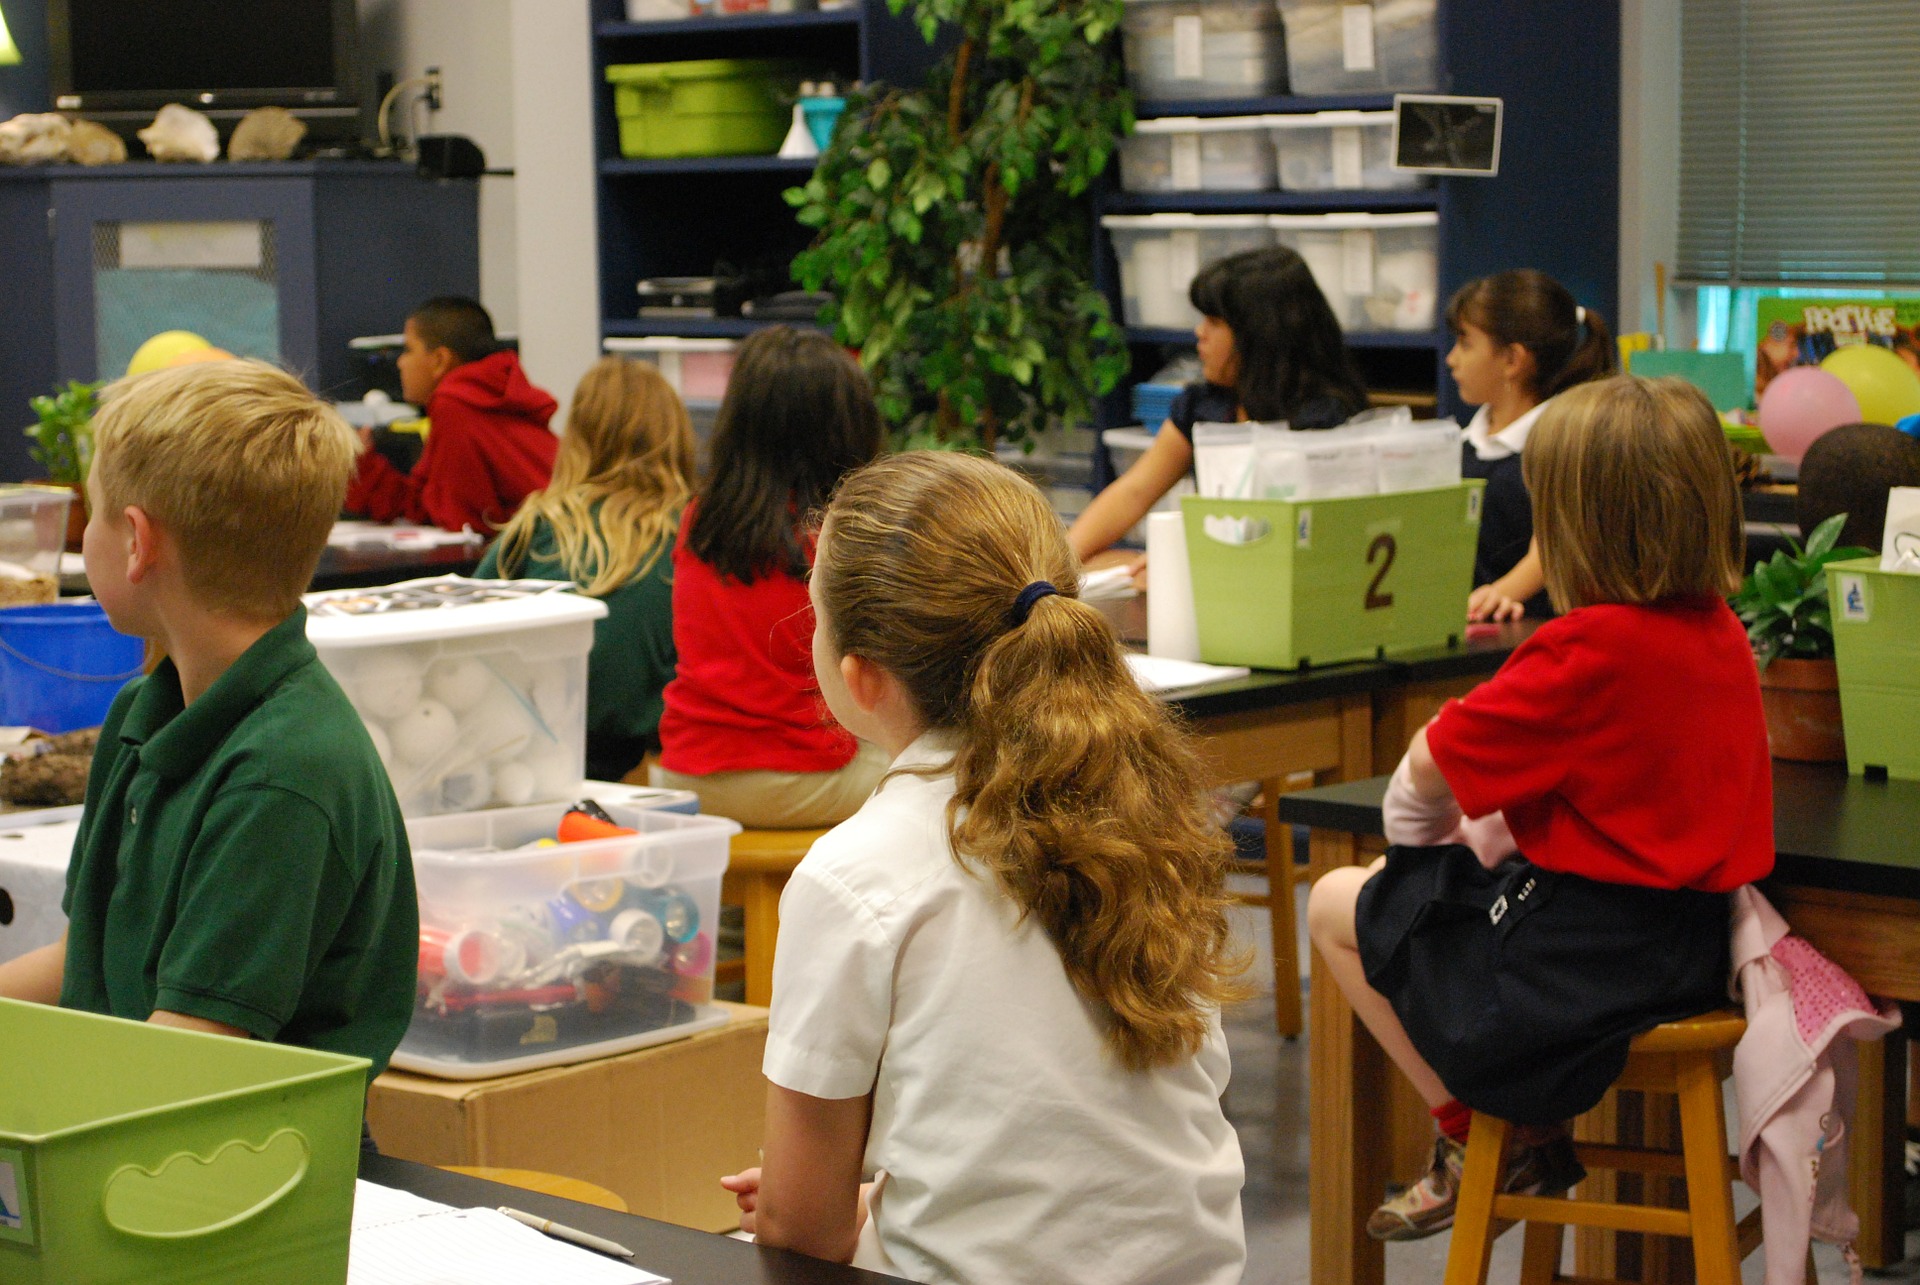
x=1803 y=332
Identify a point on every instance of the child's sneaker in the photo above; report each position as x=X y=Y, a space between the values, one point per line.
x=1426 y=1206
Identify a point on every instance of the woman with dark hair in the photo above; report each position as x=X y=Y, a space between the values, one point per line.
x=1518 y=339
x=1270 y=350
x=743 y=725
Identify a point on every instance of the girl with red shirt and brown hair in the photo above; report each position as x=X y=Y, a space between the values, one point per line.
x=1615 y=780
x=744 y=726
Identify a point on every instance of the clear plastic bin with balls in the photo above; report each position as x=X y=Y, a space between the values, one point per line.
x=1194 y=49
x=537 y=952
x=469 y=707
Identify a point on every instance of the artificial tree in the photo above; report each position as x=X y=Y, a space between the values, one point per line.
x=955 y=232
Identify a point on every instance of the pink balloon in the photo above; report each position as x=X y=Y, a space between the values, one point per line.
x=1800 y=404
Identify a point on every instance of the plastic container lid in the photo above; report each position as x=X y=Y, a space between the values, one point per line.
x=667 y=343
x=16 y=500
x=1352 y=219
x=1325 y=120
x=1183 y=222
x=1200 y=124
x=535 y=611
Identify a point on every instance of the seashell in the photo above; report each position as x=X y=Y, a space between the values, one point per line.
x=181 y=134
x=266 y=134
x=35 y=138
x=94 y=144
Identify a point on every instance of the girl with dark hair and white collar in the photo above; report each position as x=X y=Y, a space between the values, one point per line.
x=1518 y=339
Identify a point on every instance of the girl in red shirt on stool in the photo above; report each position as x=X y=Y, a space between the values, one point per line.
x=1616 y=782
x=744 y=725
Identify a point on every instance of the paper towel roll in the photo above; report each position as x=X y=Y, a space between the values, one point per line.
x=1170 y=628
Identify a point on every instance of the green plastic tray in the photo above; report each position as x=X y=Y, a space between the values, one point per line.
x=713 y=107
x=1876 y=644
x=1322 y=581
x=139 y=1153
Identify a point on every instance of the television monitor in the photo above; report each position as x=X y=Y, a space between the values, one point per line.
x=120 y=61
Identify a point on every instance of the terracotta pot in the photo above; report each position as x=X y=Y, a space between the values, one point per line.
x=1802 y=703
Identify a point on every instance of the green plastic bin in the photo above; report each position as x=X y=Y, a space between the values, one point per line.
x=139 y=1153
x=1876 y=644
x=714 y=107
x=1282 y=583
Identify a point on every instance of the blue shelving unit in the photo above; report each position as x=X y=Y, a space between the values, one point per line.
x=684 y=217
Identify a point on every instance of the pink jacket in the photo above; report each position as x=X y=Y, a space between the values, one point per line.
x=1793 y=1075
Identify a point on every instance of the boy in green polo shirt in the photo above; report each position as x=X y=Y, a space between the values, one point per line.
x=241 y=865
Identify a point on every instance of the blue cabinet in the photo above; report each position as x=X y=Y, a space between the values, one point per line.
x=281 y=261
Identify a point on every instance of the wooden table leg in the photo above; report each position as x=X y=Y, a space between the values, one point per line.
x=1877 y=1158
x=1280 y=909
x=1348 y=1083
x=757 y=893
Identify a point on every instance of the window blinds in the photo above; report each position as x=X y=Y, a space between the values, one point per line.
x=1800 y=142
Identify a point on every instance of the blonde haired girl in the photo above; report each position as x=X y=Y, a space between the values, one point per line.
x=1615 y=785
x=607 y=522
x=998 y=984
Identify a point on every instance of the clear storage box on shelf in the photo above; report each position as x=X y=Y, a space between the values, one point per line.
x=1337 y=151
x=1378 y=271
x=698 y=369
x=536 y=953
x=1194 y=154
x=481 y=704
x=1360 y=48
x=33 y=531
x=1179 y=49
x=1160 y=254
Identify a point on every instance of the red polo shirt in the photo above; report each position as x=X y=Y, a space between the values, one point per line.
x=1625 y=744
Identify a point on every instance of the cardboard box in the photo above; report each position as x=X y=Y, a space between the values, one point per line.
x=659 y=1125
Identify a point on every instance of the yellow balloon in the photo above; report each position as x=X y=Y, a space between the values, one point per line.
x=163 y=349
x=195 y=355
x=1886 y=387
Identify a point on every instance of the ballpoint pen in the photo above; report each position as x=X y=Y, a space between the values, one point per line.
x=558 y=1231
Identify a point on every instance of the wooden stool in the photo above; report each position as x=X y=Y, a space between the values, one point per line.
x=759 y=863
x=1278 y=901
x=547 y=1184
x=1688 y=1059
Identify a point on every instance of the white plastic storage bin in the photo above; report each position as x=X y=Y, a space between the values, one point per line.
x=1178 y=49
x=1160 y=254
x=1361 y=48
x=1337 y=151
x=1378 y=271
x=698 y=369
x=473 y=705
x=1191 y=154
x=537 y=953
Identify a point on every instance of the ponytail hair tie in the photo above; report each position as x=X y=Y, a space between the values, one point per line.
x=1579 y=315
x=1023 y=604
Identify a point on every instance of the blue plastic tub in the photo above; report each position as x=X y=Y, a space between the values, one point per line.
x=61 y=665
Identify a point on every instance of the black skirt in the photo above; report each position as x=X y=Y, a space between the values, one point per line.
x=1521 y=987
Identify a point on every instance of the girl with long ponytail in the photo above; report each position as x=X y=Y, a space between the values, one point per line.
x=997 y=987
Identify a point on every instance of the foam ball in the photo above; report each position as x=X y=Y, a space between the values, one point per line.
x=513 y=785
x=194 y=356
x=459 y=684
x=424 y=732
x=1886 y=387
x=498 y=729
x=553 y=777
x=1800 y=404
x=160 y=351
x=381 y=745
x=386 y=685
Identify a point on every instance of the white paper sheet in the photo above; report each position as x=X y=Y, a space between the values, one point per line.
x=402 y=1239
x=1160 y=675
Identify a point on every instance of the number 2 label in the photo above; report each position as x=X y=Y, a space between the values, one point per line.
x=1383 y=544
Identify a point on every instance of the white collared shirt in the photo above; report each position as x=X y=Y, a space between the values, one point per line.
x=1014 y=1147
x=1510 y=440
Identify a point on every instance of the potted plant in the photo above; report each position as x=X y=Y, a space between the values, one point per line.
x=1784 y=607
x=63 y=445
x=955 y=228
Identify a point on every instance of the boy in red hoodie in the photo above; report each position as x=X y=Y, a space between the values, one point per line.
x=488 y=443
